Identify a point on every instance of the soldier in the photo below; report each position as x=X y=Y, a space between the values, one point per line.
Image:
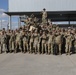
x=31 y=41
x=12 y=41
x=49 y=22
x=18 y=41
x=62 y=33
x=35 y=20
x=9 y=34
x=25 y=42
x=26 y=21
x=44 y=16
x=40 y=41
x=0 y=43
x=4 y=30
x=75 y=42
x=36 y=41
x=50 y=42
x=44 y=42
x=4 y=41
x=58 y=41
x=28 y=40
x=69 y=40
x=31 y=20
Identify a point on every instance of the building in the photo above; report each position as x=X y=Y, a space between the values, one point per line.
x=58 y=10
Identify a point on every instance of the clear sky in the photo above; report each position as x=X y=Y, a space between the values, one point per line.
x=4 y=4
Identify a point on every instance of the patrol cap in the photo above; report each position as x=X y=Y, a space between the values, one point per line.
x=44 y=9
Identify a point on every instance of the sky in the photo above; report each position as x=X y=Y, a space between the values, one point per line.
x=4 y=4
x=4 y=17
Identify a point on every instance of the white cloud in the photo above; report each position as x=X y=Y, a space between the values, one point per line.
x=4 y=24
x=2 y=10
x=3 y=21
x=3 y=15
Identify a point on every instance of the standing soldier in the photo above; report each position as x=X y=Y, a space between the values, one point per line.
x=69 y=40
x=63 y=40
x=40 y=41
x=44 y=40
x=44 y=16
x=28 y=40
x=50 y=42
x=9 y=34
x=75 y=42
x=36 y=41
x=26 y=21
x=25 y=42
x=18 y=41
x=4 y=41
x=58 y=41
x=0 y=43
x=12 y=41
x=31 y=41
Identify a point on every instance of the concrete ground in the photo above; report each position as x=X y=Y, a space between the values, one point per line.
x=31 y=64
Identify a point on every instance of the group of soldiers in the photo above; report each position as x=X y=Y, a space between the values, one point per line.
x=39 y=37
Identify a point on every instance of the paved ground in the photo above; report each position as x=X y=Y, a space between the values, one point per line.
x=30 y=64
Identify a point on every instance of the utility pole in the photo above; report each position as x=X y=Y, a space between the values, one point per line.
x=19 y=21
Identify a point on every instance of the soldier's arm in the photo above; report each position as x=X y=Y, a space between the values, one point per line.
x=46 y=14
x=72 y=38
x=65 y=36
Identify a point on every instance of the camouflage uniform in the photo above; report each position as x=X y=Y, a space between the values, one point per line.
x=27 y=21
x=9 y=34
x=0 y=44
x=50 y=43
x=25 y=42
x=75 y=41
x=58 y=41
x=18 y=41
x=69 y=40
x=12 y=42
x=44 y=17
x=31 y=42
x=4 y=42
x=36 y=42
x=44 y=42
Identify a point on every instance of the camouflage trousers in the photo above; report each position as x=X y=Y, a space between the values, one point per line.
x=50 y=48
x=68 y=47
x=36 y=47
x=25 y=46
x=59 y=46
x=0 y=49
x=11 y=45
x=4 y=47
x=18 y=45
x=44 y=20
x=44 y=47
x=31 y=46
